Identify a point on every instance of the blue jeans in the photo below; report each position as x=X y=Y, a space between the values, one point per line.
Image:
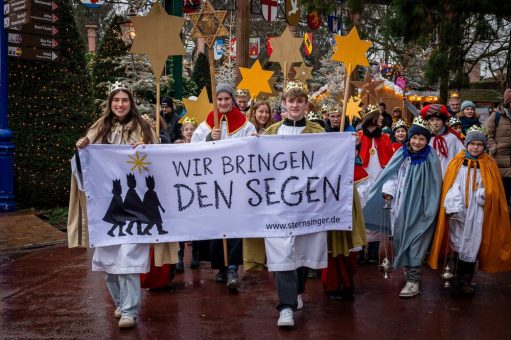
x=125 y=290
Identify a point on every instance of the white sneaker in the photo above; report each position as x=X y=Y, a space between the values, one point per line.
x=410 y=289
x=286 y=318
x=300 y=302
x=127 y=322
x=117 y=313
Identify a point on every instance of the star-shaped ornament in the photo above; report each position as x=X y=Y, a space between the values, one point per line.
x=303 y=72
x=158 y=36
x=351 y=50
x=255 y=79
x=198 y=109
x=353 y=108
x=208 y=24
x=286 y=50
x=364 y=84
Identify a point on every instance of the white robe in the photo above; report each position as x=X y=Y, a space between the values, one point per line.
x=454 y=146
x=292 y=252
x=465 y=223
x=374 y=170
x=203 y=130
x=395 y=186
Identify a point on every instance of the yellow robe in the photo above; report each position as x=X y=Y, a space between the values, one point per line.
x=495 y=250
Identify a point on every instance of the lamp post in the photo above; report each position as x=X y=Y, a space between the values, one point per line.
x=128 y=35
x=6 y=145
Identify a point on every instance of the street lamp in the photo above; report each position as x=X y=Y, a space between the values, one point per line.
x=128 y=34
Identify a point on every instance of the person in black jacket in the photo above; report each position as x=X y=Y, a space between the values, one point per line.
x=168 y=112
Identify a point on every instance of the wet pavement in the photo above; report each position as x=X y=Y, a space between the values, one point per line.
x=52 y=293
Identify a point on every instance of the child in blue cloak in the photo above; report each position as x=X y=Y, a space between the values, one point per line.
x=412 y=181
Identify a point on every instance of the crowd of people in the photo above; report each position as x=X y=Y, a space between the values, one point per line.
x=445 y=180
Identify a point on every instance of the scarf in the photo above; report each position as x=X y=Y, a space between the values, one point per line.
x=235 y=120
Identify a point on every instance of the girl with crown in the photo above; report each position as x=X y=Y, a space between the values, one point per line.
x=455 y=124
x=121 y=123
x=399 y=132
x=411 y=181
x=474 y=217
x=375 y=152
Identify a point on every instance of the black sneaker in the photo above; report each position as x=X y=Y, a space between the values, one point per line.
x=221 y=276
x=233 y=282
x=195 y=262
x=180 y=267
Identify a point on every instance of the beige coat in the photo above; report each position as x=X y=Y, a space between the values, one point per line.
x=499 y=141
x=77 y=226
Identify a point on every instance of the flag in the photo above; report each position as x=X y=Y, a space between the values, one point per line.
x=253 y=47
x=307 y=42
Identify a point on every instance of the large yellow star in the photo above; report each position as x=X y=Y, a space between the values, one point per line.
x=198 y=109
x=208 y=24
x=139 y=162
x=255 y=79
x=286 y=50
x=350 y=50
x=157 y=36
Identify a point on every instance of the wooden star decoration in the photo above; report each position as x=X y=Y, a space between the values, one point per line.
x=364 y=84
x=286 y=50
x=255 y=79
x=198 y=109
x=351 y=50
x=208 y=24
x=353 y=108
x=303 y=72
x=158 y=36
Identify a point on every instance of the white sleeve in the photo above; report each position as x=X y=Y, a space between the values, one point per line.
x=390 y=186
x=480 y=197
x=363 y=189
x=200 y=133
x=453 y=202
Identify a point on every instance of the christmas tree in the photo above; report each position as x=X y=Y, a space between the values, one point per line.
x=200 y=73
x=49 y=108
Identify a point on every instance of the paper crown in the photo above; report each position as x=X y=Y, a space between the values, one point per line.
x=118 y=85
x=241 y=93
x=149 y=119
x=294 y=84
x=313 y=116
x=475 y=128
x=399 y=124
x=453 y=121
x=420 y=122
x=369 y=109
x=190 y=120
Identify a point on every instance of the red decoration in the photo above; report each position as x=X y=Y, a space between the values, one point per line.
x=314 y=20
x=269 y=9
x=190 y=6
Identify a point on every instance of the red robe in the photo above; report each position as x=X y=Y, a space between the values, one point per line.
x=382 y=144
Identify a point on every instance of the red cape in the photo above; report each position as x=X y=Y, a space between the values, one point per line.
x=383 y=145
x=235 y=120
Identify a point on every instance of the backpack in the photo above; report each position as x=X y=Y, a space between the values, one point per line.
x=497 y=119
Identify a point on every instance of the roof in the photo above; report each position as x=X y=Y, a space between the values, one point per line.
x=481 y=95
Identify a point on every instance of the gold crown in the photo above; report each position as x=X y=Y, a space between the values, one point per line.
x=475 y=128
x=420 y=122
x=369 y=109
x=118 y=85
x=242 y=93
x=453 y=121
x=190 y=120
x=296 y=83
x=400 y=123
x=313 y=116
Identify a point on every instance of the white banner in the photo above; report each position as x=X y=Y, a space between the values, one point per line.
x=265 y=186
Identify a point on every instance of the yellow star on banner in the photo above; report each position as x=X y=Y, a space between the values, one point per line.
x=198 y=109
x=138 y=163
x=158 y=36
x=255 y=79
x=350 y=50
x=208 y=24
x=353 y=108
x=286 y=49
x=303 y=72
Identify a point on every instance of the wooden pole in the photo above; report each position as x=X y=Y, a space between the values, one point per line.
x=211 y=61
x=346 y=94
x=157 y=115
x=285 y=76
x=213 y=85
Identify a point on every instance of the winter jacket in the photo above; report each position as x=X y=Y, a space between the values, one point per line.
x=499 y=140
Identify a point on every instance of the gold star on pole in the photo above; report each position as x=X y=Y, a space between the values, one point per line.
x=286 y=50
x=303 y=72
x=255 y=79
x=350 y=50
x=353 y=108
x=198 y=109
x=273 y=93
x=138 y=162
x=208 y=24
x=157 y=36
